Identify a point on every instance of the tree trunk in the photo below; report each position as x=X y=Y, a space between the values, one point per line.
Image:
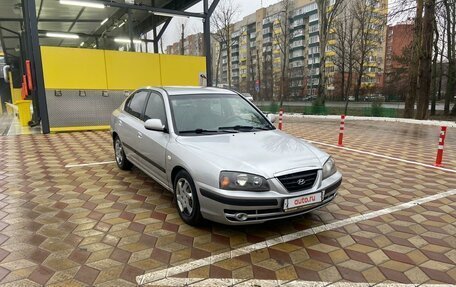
x=424 y=77
x=282 y=84
x=321 y=88
x=342 y=72
x=217 y=67
x=439 y=95
x=347 y=91
x=259 y=72
x=414 y=63
x=452 y=92
x=359 y=78
x=450 y=56
x=228 y=54
x=434 y=70
x=284 y=77
x=182 y=51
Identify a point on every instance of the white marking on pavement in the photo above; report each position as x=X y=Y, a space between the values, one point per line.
x=165 y=273
x=384 y=156
x=271 y=283
x=88 y=164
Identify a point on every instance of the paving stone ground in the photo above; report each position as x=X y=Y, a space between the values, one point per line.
x=98 y=225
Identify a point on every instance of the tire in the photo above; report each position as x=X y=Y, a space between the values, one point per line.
x=121 y=159
x=187 y=199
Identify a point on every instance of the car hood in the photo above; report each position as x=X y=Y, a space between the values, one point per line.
x=266 y=153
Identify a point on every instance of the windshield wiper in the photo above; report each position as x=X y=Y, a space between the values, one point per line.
x=198 y=131
x=204 y=131
x=239 y=127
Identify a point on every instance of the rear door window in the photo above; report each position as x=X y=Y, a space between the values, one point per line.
x=136 y=104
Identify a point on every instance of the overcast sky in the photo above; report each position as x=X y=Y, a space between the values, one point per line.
x=193 y=26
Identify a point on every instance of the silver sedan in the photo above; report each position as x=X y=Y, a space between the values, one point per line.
x=220 y=156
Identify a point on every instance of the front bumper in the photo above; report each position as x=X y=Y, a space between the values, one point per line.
x=259 y=207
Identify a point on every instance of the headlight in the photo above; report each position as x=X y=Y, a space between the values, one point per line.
x=231 y=180
x=329 y=168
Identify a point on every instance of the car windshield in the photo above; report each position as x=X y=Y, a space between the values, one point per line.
x=213 y=114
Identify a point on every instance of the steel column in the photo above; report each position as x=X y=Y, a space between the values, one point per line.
x=154 y=31
x=37 y=64
x=207 y=42
x=26 y=51
x=163 y=29
x=207 y=38
x=155 y=34
x=130 y=31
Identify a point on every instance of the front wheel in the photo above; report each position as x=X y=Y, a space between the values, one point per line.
x=121 y=159
x=187 y=199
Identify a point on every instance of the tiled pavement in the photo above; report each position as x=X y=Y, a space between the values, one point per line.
x=98 y=225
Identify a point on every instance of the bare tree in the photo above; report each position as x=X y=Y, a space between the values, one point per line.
x=181 y=26
x=327 y=12
x=268 y=75
x=450 y=19
x=368 y=22
x=425 y=75
x=223 y=19
x=282 y=38
x=217 y=67
x=346 y=36
x=434 y=68
x=414 y=62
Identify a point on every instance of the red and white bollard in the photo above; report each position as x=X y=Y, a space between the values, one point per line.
x=280 y=119
x=341 y=132
x=438 y=161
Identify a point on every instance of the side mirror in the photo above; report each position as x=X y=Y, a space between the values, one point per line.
x=271 y=118
x=154 y=125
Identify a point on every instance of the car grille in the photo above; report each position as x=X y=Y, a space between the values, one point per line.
x=291 y=181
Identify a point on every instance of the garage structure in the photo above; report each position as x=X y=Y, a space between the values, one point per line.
x=27 y=27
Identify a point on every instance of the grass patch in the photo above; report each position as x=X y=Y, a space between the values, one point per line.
x=322 y=110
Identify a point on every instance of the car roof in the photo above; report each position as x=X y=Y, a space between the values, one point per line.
x=182 y=90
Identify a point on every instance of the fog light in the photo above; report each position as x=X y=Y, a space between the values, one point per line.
x=241 y=216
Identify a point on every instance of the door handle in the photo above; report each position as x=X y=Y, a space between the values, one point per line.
x=140 y=135
x=120 y=123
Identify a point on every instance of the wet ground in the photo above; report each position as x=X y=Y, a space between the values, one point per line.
x=65 y=225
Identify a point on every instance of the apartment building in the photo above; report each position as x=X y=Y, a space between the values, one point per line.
x=257 y=55
x=193 y=46
x=399 y=37
x=396 y=80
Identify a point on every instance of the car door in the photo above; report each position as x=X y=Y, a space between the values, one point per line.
x=153 y=143
x=130 y=122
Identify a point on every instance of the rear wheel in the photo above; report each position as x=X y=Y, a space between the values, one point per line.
x=122 y=162
x=187 y=199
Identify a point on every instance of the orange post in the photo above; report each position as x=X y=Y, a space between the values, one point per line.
x=341 y=131
x=28 y=70
x=280 y=119
x=439 y=159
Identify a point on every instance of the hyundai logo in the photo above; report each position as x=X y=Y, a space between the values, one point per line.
x=301 y=181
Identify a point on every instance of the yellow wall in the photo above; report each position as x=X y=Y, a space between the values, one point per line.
x=182 y=70
x=88 y=69
x=129 y=70
x=72 y=68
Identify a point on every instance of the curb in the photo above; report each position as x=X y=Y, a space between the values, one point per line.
x=379 y=119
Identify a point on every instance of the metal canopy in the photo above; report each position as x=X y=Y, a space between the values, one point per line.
x=25 y=23
x=55 y=17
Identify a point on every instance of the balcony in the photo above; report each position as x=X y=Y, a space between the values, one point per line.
x=298 y=33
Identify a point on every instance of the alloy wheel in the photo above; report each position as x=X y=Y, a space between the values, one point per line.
x=184 y=196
